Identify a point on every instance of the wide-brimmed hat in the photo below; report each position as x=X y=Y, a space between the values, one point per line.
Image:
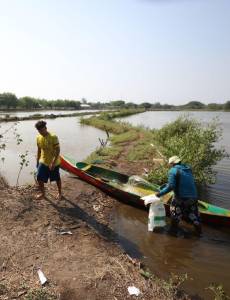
x=174 y=160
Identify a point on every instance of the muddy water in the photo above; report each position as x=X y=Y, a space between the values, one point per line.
x=206 y=259
x=76 y=140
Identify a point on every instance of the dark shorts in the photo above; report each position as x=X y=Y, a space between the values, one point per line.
x=186 y=209
x=44 y=173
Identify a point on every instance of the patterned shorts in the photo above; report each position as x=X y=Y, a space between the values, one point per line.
x=186 y=209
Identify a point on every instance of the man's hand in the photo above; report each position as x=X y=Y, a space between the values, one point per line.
x=157 y=194
x=52 y=166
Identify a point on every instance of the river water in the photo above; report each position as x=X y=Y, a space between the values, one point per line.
x=76 y=140
x=205 y=259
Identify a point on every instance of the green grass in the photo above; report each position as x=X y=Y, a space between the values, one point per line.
x=127 y=136
x=40 y=294
x=106 y=125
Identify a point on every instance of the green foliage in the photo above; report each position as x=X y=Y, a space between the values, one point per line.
x=194 y=105
x=227 y=106
x=110 y=152
x=117 y=103
x=8 y=100
x=146 y=273
x=120 y=113
x=40 y=294
x=24 y=162
x=215 y=106
x=142 y=151
x=110 y=126
x=105 y=121
x=146 y=105
x=218 y=292
x=3 y=289
x=171 y=286
x=125 y=137
x=194 y=143
x=28 y=103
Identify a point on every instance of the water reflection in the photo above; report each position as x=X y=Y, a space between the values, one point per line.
x=204 y=259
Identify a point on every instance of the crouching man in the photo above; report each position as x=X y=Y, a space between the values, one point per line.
x=184 y=204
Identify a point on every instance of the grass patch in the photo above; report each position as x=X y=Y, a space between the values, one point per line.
x=103 y=154
x=110 y=152
x=40 y=294
x=141 y=151
x=127 y=136
x=3 y=289
x=110 y=126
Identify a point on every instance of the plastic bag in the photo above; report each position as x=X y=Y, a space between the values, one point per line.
x=151 y=199
x=135 y=180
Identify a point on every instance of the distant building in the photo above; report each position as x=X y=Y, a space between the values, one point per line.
x=85 y=106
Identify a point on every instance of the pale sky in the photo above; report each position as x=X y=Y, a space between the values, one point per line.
x=168 y=51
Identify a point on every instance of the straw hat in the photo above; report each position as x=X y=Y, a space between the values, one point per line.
x=174 y=160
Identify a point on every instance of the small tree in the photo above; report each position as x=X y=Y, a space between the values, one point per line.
x=24 y=162
x=8 y=100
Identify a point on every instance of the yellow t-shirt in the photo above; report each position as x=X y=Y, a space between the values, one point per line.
x=48 y=145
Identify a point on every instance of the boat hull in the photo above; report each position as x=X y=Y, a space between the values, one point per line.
x=210 y=214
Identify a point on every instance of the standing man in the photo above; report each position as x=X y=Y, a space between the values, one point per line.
x=48 y=160
x=184 y=204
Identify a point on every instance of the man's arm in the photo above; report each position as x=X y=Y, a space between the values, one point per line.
x=169 y=186
x=38 y=155
x=56 y=153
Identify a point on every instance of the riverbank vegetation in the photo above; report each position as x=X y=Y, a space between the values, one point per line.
x=193 y=141
x=10 y=101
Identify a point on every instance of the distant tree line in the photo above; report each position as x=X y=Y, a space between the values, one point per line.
x=10 y=101
x=192 y=105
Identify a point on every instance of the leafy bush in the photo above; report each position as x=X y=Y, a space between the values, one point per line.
x=194 y=143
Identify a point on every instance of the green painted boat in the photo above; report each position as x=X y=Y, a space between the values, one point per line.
x=130 y=189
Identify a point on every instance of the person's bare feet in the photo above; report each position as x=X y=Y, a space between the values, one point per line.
x=58 y=197
x=40 y=196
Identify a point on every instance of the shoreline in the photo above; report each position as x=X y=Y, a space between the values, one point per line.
x=89 y=263
x=86 y=264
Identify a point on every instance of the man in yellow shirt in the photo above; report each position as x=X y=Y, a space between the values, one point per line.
x=48 y=160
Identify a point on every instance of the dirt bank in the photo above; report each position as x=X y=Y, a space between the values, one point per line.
x=87 y=264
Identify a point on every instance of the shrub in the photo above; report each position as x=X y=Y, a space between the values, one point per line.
x=194 y=143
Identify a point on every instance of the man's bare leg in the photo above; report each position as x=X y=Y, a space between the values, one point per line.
x=59 y=186
x=41 y=193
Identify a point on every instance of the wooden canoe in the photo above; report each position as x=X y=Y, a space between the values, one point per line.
x=129 y=189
